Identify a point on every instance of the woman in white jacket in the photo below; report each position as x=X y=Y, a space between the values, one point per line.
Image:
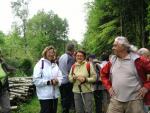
x=47 y=77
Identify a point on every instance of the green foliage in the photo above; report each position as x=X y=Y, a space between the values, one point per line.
x=102 y=27
x=26 y=67
x=20 y=10
x=2 y=35
x=148 y=22
x=110 y=18
x=46 y=29
x=29 y=107
x=23 y=47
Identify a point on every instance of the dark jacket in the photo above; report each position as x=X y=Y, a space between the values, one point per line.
x=7 y=69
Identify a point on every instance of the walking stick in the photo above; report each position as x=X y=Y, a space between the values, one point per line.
x=79 y=86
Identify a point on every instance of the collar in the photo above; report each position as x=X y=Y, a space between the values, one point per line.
x=46 y=60
x=131 y=55
x=68 y=53
x=83 y=62
x=128 y=57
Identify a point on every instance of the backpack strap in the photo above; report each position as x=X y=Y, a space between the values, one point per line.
x=73 y=66
x=87 y=67
x=42 y=67
x=97 y=69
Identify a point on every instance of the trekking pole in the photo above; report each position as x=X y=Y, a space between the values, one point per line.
x=79 y=86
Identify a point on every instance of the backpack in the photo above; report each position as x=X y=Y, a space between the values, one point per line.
x=97 y=68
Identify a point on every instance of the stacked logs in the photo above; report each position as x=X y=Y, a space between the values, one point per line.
x=21 y=89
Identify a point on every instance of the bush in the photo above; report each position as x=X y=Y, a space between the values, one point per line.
x=26 y=67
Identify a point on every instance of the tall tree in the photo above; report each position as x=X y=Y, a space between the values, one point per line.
x=20 y=9
x=46 y=29
x=2 y=35
x=109 y=18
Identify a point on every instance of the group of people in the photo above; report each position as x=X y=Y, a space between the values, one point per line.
x=79 y=79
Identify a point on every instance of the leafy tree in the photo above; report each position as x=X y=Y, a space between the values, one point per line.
x=2 y=35
x=46 y=29
x=109 y=18
x=20 y=9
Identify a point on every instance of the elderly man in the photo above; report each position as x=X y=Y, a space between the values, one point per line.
x=65 y=63
x=124 y=76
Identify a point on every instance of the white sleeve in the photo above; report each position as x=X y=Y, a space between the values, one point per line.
x=38 y=79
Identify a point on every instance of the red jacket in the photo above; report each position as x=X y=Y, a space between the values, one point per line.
x=143 y=68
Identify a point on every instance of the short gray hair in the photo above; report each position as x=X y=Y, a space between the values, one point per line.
x=122 y=40
x=70 y=47
x=144 y=51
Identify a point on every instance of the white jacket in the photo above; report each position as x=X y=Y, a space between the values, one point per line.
x=41 y=76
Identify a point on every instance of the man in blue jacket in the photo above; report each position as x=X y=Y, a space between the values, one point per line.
x=65 y=63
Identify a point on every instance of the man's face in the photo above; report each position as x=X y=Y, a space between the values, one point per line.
x=72 y=52
x=117 y=48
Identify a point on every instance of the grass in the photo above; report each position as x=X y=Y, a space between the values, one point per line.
x=32 y=106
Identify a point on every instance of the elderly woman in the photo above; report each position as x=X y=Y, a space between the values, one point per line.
x=47 y=77
x=82 y=75
x=145 y=52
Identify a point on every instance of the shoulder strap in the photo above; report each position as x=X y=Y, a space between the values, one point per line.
x=98 y=66
x=88 y=67
x=73 y=66
x=42 y=66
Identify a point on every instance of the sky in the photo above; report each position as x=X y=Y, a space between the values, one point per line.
x=73 y=10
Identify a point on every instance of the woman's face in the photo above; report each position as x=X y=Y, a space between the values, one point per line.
x=80 y=57
x=50 y=54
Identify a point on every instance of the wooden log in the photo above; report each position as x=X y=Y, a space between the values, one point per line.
x=17 y=94
x=15 y=85
x=21 y=88
x=18 y=91
x=13 y=107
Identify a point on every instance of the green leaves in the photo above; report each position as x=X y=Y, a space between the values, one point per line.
x=109 y=18
x=46 y=29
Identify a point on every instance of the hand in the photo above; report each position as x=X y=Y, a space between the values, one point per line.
x=82 y=79
x=54 y=82
x=142 y=92
x=75 y=77
x=112 y=92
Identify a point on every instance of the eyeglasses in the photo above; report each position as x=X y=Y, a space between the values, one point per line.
x=79 y=56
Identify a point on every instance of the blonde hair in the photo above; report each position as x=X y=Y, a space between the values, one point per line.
x=47 y=49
